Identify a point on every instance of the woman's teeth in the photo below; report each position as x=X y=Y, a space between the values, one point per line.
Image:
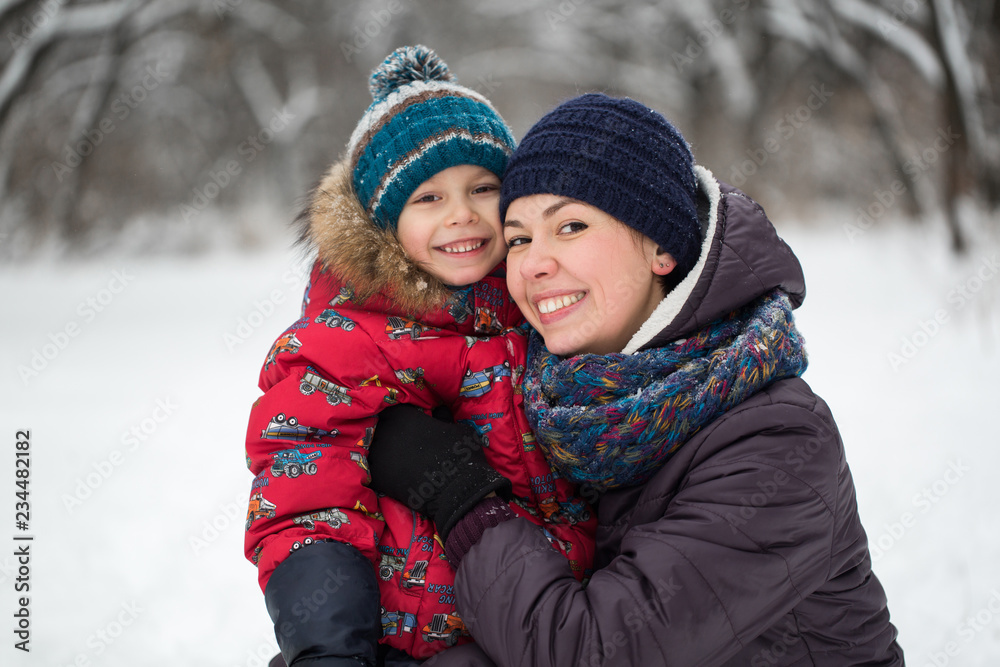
x=546 y=306
x=463 y=247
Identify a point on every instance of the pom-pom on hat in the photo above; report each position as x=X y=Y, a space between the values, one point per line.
x=421 y=122
x=619 y=156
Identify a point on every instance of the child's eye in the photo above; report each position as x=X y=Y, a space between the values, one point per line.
x=426 y=198
x=572 y=227
x=489 y=187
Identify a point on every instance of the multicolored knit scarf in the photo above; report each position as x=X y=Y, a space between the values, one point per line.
x=613 y=420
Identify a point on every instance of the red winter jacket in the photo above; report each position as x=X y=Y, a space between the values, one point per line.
x=375 y=331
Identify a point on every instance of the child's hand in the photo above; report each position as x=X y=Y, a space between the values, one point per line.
x=434 y=467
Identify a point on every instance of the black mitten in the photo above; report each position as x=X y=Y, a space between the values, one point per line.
x=435 y=467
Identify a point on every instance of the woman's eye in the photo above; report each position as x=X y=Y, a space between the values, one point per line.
x=516 y=241
x=572 y=227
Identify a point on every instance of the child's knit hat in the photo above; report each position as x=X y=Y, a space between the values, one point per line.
x=420 y=123
x=619 y=156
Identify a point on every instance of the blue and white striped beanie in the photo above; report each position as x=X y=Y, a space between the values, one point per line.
x=420 y=123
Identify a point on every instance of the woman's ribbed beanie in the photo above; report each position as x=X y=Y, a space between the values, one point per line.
x=619 y=156
x=421 y=122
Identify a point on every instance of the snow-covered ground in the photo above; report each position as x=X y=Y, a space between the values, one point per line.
x=135 y=378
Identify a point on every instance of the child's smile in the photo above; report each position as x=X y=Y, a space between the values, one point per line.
x=451 y=225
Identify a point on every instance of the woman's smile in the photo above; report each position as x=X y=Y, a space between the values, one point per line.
x=552 y=304
x=578 y=275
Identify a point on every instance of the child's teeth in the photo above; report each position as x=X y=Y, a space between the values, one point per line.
x=464 y=248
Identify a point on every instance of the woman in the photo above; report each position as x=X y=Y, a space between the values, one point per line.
x=663 y=374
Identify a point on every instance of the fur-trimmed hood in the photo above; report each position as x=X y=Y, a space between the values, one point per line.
x=372 y=260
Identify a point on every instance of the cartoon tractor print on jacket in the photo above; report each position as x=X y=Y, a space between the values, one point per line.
x=458 y=307
x=529 y=441
x=286 y=343
x=313 y=381
x=361 y=460
x=411 y=578
x=449 y=627
x=414 y=376
x=392 y=394
x=482 y=429
x=397 y=328
x=480 y=382
x=287 y=428
x=334 y=517
x=344 y=296
x=395 y=623
x=487 y=322
x=294 y=462
x=575 y=511
x=415 y=577
x=259 y=507
x=389 y=564
x=358 y=507
x=333 y=319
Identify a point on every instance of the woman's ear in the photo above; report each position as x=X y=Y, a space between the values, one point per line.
x=663 y=262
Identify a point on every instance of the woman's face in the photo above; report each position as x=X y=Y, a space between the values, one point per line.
x=579 y=275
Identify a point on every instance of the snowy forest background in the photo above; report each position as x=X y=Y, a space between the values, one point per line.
x=153 y=153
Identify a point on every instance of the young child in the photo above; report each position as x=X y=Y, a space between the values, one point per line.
x=407 y=303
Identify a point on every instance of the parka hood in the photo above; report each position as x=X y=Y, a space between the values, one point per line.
x=742 y=258
x=352 y=248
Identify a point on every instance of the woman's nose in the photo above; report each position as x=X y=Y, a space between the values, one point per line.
x=537 y=261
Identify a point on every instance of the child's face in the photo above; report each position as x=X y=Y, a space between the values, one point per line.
x=450 y=225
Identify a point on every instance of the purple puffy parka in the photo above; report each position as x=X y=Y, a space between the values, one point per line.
x=745 y=548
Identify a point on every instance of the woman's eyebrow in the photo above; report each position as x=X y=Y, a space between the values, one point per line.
x=547 y=213
x=551 y=210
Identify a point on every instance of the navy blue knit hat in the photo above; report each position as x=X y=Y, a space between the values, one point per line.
x=619 y=156
x=420 y=123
